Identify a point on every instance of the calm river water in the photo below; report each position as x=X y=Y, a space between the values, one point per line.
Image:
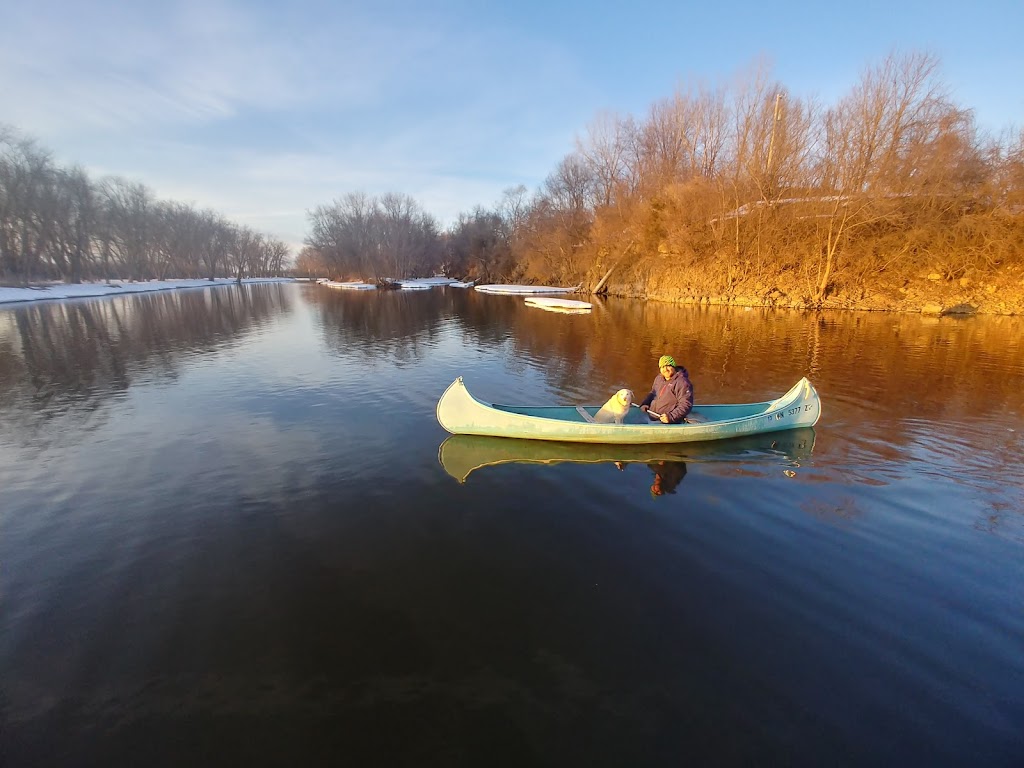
x=231 y=529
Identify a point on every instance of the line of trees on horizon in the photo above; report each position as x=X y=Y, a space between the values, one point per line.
x=722 y=188
x=373 y=237
x=58 y=223
x=715 y=190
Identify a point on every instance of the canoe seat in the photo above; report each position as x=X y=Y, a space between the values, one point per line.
x=586 y=416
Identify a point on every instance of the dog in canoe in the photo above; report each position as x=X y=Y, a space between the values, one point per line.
x=616 y=408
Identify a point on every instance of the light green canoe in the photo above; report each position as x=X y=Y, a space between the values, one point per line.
x=462 y=414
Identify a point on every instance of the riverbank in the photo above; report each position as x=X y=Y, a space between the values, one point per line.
x=994 y=293
x=1000 y=292
x=56 y=291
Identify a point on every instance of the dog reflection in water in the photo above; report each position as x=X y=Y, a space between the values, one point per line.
x=616 y=408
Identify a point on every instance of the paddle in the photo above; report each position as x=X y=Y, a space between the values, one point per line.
x=652 y=413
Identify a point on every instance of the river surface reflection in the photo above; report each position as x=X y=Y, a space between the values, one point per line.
x=232 y=529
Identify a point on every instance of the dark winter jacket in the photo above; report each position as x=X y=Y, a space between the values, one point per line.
x=673 y=397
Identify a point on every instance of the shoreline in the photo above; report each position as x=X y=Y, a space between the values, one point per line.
x=12 y=295
x=925 y=296
x=929 y=308
x=998 y=293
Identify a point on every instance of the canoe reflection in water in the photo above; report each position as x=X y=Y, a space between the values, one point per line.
x=461 y=455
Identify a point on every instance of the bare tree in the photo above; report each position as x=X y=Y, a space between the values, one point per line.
x=478 y=244
x=27 y=201
x=216 y=239
x=56 y=221
x=408 y=237
x=387 y=237
x=604 y=151
x=75 y=223
x=131 y=212
x=181 y=241
x=571 y=186
x=869 y=153
x=309 y=263
x=342 y=234
x=274 y=255
x=711 y=119
x=243 y=252
x=1009 y=169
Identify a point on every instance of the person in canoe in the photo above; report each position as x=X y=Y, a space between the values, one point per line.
x=671 y=395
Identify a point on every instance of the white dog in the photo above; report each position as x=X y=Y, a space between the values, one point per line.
x=616 y=408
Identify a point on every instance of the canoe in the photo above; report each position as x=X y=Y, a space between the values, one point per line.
x=461 y=455
x=462 y=414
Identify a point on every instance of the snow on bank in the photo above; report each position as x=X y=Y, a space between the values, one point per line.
x=51 y=291
x=525 y=289
x=567 y=306
x=353 y=285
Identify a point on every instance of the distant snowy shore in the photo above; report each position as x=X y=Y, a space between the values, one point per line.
x=52 y=291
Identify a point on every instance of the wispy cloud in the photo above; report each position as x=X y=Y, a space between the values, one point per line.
x=263 y=110
x=269 y=111
x=122 y=67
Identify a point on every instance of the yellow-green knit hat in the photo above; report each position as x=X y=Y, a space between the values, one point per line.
x=666 y=360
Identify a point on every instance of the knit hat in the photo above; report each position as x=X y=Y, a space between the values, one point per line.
x=666 y=360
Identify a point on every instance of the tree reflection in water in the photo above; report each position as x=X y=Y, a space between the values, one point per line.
x=72 y=358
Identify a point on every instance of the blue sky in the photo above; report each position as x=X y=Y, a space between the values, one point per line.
x=264 y=110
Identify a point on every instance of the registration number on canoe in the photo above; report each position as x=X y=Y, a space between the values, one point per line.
x=791 y=412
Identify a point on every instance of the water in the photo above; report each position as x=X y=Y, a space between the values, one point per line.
x=226 y=534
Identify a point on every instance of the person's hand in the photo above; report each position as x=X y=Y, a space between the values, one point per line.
x=645 y=408
x=664 y=418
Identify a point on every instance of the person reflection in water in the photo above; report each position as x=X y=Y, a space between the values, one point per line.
x=667 y=476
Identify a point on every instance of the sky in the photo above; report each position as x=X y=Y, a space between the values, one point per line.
x=265 y=110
